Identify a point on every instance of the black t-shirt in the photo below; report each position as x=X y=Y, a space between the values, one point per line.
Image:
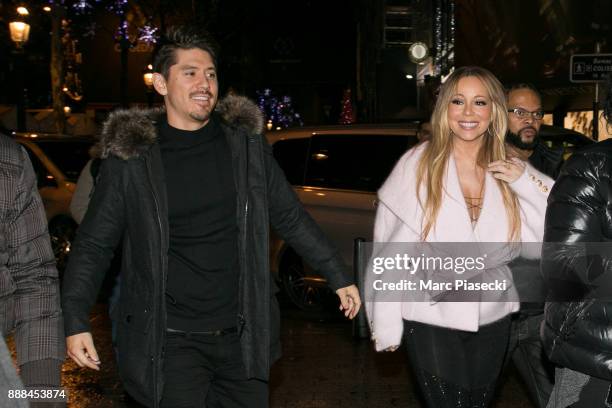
x=202 y=285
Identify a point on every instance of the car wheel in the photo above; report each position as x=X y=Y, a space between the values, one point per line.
x=307 y=292
x=62 y=232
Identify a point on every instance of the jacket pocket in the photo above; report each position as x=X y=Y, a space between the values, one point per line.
x=135 y=349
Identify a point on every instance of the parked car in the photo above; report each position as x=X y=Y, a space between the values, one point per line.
x=336 y=172
x=566 y=139
x=57 y=161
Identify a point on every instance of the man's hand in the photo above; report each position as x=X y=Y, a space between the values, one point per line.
x=350 y=301
x=80 y=348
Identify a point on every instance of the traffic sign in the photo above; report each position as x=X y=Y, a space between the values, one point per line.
x=590 y=67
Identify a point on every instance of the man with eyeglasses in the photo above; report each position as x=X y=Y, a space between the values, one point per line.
x=525 y=116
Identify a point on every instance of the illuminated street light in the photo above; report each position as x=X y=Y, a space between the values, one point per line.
x=20 y=32
x=418 y=52
x=147 y=77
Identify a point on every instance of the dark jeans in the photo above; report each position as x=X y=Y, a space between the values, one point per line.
x=456 y=368
x=207 y=371
x=529 y=359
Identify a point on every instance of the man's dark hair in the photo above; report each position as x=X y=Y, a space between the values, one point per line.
x=184 y=37
x=607 y=105
x=523 y=85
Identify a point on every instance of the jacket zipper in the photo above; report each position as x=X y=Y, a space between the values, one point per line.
x=241 y=319
x=155 y=361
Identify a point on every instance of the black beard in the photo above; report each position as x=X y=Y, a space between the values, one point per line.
x=515 y=140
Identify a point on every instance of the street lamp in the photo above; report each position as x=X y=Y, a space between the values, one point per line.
x=147 y=77
x=20 y=32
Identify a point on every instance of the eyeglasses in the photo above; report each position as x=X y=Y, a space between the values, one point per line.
x=523 y=114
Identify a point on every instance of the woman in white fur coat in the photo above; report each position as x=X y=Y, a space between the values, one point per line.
x=458 y=187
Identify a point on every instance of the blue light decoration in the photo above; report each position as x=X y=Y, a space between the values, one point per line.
x=279 y=112
x=148 y=34
x=82 y=6
x=122 y=31
x=118 y=6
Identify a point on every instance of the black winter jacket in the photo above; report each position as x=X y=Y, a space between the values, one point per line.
x=130 y=203
x=577 y=331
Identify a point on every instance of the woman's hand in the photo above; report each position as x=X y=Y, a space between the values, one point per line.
x=508 y=170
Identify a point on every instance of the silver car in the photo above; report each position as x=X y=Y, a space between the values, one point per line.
x=57 y=161
x=336 y=172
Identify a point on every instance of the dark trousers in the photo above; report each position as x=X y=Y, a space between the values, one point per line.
x=203 y=370
x=529 y=359
x=456 y=368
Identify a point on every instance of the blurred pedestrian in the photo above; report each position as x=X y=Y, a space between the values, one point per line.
x=29 y=283
x=578 y=317
x=85 y=186
x=424 y=132
x=463 y=189
x=193 y=191
x=525 y=116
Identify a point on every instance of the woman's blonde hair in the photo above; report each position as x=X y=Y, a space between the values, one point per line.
x=432 y=166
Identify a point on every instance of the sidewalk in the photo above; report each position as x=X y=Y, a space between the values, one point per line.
x=322 y=366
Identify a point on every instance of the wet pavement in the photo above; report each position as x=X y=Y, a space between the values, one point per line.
x=322 y=366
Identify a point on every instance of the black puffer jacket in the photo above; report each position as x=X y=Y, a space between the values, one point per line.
x=577 y=331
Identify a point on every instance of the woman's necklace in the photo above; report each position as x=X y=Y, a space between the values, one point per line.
x=474 y=204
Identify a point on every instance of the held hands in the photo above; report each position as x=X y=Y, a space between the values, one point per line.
x=508 y=170
x=80 y=348
x=350 y=301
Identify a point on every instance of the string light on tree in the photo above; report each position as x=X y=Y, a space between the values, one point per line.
x=122 y=31
x=347 y=114
x=148 y=34
x=279 y=112
x=82 y=6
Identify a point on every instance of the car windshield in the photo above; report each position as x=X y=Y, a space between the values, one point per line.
x=70 y=156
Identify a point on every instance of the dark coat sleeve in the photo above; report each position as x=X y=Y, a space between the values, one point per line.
x=577 y=267
x=299 y=230
x=93 y=249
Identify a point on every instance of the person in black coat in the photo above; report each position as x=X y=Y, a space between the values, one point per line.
x=191 y=192
x=577 y=266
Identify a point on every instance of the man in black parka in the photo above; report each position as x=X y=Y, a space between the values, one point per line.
x=191 y=191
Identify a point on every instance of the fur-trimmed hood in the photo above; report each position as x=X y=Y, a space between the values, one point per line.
x=128 y=133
